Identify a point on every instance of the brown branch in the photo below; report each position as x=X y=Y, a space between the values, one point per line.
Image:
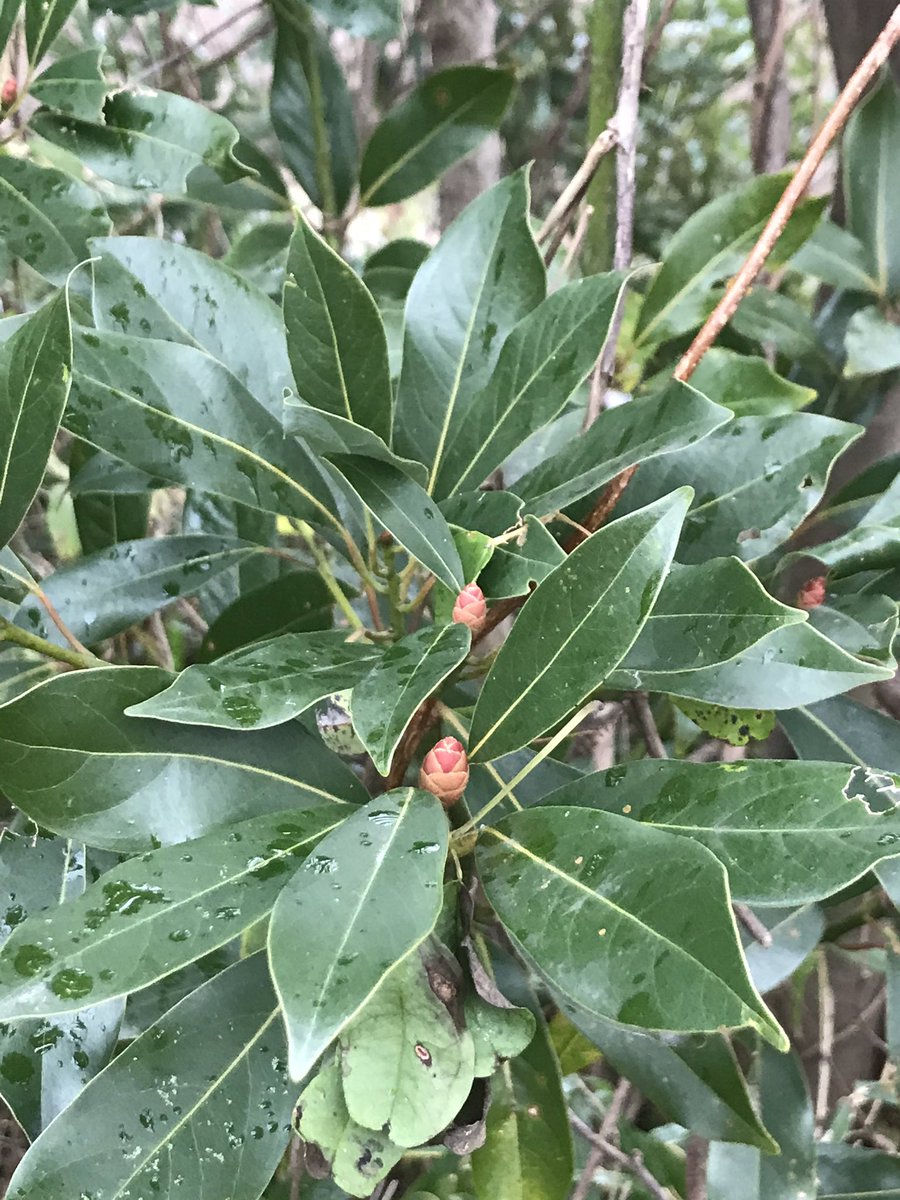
x=652 y=740
x=653 y=42
x=696 y=1159
x=826 y=1041
x=554 y=227
x=632 y=1163
x=752 y=924
x=742 y=282
x=184 y=52
x=425 y=717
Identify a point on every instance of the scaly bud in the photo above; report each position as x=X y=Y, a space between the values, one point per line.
x=336 y=725
x=470 y=608
x=812 y=594
x=445 y=771
x=8 y=94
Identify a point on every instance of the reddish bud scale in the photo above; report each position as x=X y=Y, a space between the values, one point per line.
x=812 y=594
x=445 y=771
x=8 y=93
x=470 y=608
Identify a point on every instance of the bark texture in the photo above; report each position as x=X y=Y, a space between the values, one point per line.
x=771 y=95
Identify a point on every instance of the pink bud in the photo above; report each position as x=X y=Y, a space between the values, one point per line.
x=445 y=771
x=812 y=594
x=8 y=93
x=470 y=608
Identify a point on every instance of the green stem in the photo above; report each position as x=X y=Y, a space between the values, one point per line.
x=328 y=578
x=605 y=28
x=398 y=624
x=30 y=641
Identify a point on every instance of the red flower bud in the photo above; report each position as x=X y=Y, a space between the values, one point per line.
x=8 y=93
x=445 y=771
x=470 y=608
x=812 y=594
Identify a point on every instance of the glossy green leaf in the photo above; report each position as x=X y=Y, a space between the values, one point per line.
x=575 y=628
x=260 y=254
x=151 y=288
x=263 y=190
x=407 y=512
x=408 y=672
x=74 y=85
x=856 y=1173
x=747 y=385
x=312 y=111
x=204 y=1082
x=633 y=433
x=43 y=21
x=335 y=336
x=442 y=120
x=710 y=246
x=544 y=359
x=574 y=1051
x=841 y=730
x=9 y=12
x=73 y=761
x=873 y=136
x=862 y=625
x=791 y=666
x=387 y=858
x=295 y=603
x=35 y=376
x=155 y=913
x=754 y=481
x=486 y=779
x=836 y=257
x=786 y=832
x=737 y=726
x=46 y=217
x=104 y=518
x=44 y=1064
x=528 y=1151
x=328 y=434
x=176 y=413
x=102 y=594
x=264 y=685
x=388 y=274
x=357 y=1157
x=634 y=951
x=498 y=1033
x=514 y=567
x=866 y=547
x=481 y=279
x=363 y=18
x=693 y=1079
x=776 y=322
x=150 y=141
x=795 y=933
x=407 y=1067
x=872 y=343
x=475 y=551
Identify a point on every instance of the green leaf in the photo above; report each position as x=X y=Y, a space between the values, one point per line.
x=260 y=255
x=9 y=12
x=155 y=913
x=104 y=518
x=35 y=376
x=72 y=760
x=837 y=258
x=363 y=18
x=872 y=343
x=74 y=85
x=177 y=1103
x=636 y=432
x=748 y=385
x=515 y=567
x=386 y=859
x=43 y=21
x=295 y=603
x=694 y=1080
x=575 y=628
x=795 y=933
x=475 y=551
x=545 y=358
x=179 y=415
x=574 y=1051
x=312 y=111
x=528 y=1151
x=786 y=832
x=776 y=322
x=873 y=136
x=386 y=699
x=156 y=289
x=442 y=120
x=388 y=274
x=856 y=1173
x=407 y=512
x=737 y=726
x=262 y=190
x=259 y=686
x=335 y=337
x=44 y=1064
x=864 y=625
x=358 y=1158
x=840 y=730
x=792 y=666
x=407 y=1068
x=710 y=246
x=481 y=279
x=498 y=1033
x=47 y=217
x=149 y=141
x=327 y=434
x=754 y=481
x=486 y=779
x=634 y=951
x=102 y=594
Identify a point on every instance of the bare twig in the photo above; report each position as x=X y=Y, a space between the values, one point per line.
x=826 y=1041
x=573 y=193
x=155 y=68
x=160 y=639
x=632 y=1163
x=655 y=38
x=696 y=1159
x=654 y=743
x=574 y=248
x=753 y=924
